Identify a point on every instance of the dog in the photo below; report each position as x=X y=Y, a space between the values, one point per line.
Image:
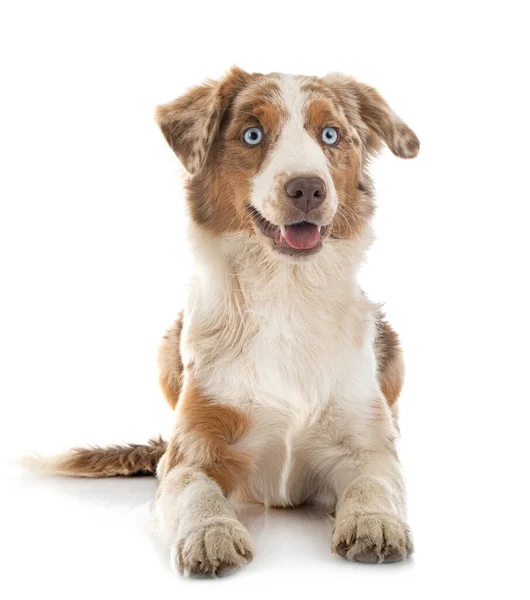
x=282 y=374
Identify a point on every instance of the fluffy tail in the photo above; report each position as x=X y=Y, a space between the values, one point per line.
x=133 y=459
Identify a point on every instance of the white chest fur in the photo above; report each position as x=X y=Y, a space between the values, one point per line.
x=266 y=333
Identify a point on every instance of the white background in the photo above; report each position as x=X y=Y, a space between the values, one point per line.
x=94 y=264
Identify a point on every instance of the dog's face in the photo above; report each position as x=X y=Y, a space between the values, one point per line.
x=282 y=157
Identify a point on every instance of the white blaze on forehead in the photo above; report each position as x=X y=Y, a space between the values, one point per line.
x=295 y=152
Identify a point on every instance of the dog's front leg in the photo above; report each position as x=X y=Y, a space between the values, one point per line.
x=370 y=521
x=201 y=467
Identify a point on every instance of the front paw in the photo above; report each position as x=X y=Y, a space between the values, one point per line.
x=372 y=538
x=214 y=546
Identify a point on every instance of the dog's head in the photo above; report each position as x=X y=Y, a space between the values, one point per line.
x=282 y=157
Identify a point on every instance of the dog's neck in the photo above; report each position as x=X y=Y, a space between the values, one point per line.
x=242 y=294
x=242 y=261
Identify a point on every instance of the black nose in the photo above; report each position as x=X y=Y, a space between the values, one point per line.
x=306 y=193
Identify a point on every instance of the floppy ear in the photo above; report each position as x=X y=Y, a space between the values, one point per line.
x=382 y=122
x=191 y=122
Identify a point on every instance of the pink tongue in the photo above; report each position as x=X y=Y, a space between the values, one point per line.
x=302 y=236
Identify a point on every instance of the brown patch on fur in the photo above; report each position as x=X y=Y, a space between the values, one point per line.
x=132 y=459
x=260 y=103
x=356 y=207
x=319 y=114
x=219 y=196
x=205 y=438
x=170 y=363
x=390 y=367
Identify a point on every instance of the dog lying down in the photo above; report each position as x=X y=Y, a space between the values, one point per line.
x=283 y=376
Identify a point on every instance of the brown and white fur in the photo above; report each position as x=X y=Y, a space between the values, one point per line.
x=284 y=377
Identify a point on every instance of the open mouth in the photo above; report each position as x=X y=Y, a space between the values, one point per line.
x=303 y=237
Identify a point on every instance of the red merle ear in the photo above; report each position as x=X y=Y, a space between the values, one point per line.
x=382 y=122
x=190 y=123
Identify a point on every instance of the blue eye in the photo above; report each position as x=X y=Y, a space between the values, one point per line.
x=330 y=136
x=253 y=136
